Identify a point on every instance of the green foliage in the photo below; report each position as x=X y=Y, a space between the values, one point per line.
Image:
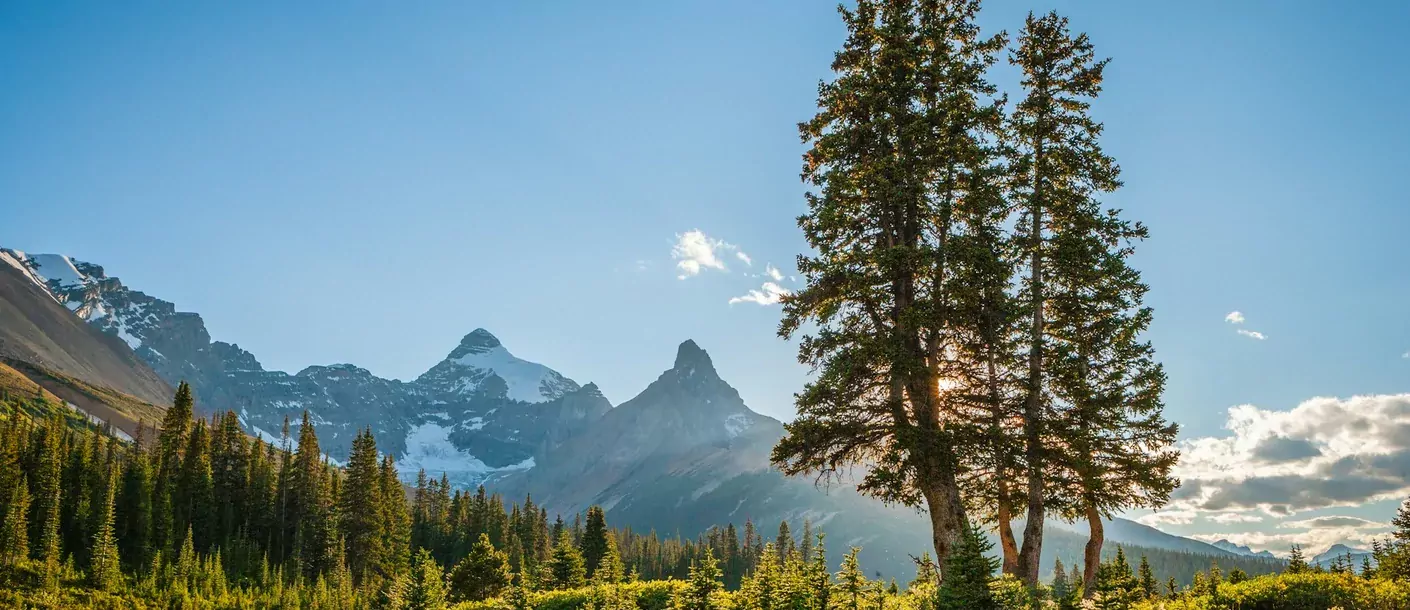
x=1297 y=562
x=1295 y=591
x=968 y=571
x=483 y=574
x=425 y=589
x=566 y=568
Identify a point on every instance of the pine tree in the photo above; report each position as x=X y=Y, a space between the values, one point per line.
x=566 y=567
x=1063 y=591
x=594 y=539
x=852 y=583
x=703 y=581
x=104 y=567
x=171 y=447
x=968 y=571
x=1114 y=586
x=194 y=500
x=784 y=542
x=893 y=152
x=1297 y=562
x=483 y=574
x=426 y=588
x=134 y=508
x=396 y=522
x=926 y=572
x=47 y=498
x=14 y=529
x=1086 y=354
x=610 y=569
x=1149 y=588
x=1237 y=576
x=363 y=521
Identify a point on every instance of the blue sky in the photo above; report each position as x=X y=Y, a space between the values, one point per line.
x=367 y=182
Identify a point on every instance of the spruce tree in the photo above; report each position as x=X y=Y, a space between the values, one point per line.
x=426 y=588
x=1149 y=588
x=45 y=507
x=482 y=574
x=396 y=522
x=14 y=529
x=363 y=521
x=171 y=447
x=594 y=543
x=968 y=571
x=893 y=149
x=134 y=508
x=851 y=582
x=704 y=580
x=1297 y=562
x=104 y=565
x=566 y=568
x=1092 y=380
x=610 y=569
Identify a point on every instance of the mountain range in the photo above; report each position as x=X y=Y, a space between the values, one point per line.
x=683 y=455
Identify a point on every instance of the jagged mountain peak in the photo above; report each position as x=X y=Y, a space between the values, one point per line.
x=478 y=341
x=692 y=361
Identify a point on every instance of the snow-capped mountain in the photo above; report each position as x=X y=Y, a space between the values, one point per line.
x=479 y=412
x=481 y=365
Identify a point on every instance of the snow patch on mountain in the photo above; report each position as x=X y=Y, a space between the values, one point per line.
x=528 y=382
x=736 y=424
x=428 y=448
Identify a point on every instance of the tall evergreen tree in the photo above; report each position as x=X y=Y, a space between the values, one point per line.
x=1297 y=561
x=566 y=567
x=594 y=541
x=426 y=588
x=893 y=144
x=171 y=447
x=363 y=521
x=482 y=574
x=1149 y=588
x=1091 y=380
x=14 y=528
x=104 y=565
x=968 y=571
x=47 y=496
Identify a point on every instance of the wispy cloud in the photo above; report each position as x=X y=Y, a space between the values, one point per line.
x=1405 y=355
x=1236 y=518
x=777 y=276
x=739 y=254
x=1237 y=317
x=695 y=251
x=1169 y=517
x=768 y=294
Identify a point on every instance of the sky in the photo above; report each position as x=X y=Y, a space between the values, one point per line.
x=596 y=182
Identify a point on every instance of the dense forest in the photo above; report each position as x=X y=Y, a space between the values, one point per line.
x=196 y=513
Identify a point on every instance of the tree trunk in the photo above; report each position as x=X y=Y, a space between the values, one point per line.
x=1093 y=553
x=946 y=516
x=1028 y=558
x=1007 y=544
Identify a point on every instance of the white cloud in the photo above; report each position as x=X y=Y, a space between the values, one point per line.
x=1234 y=317
x=744 y=257
x=773 y=273
x=695 y=251
x=1334 y=521
x=768 y=294
x=1313 y=542
x=1227 y=518
x=1169 y=517
x=1252 y=334
x=1326 y=452
x=1405 y=355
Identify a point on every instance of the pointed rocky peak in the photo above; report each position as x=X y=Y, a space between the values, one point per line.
x=691 y=361
x=591 y=389
x=478 y=341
